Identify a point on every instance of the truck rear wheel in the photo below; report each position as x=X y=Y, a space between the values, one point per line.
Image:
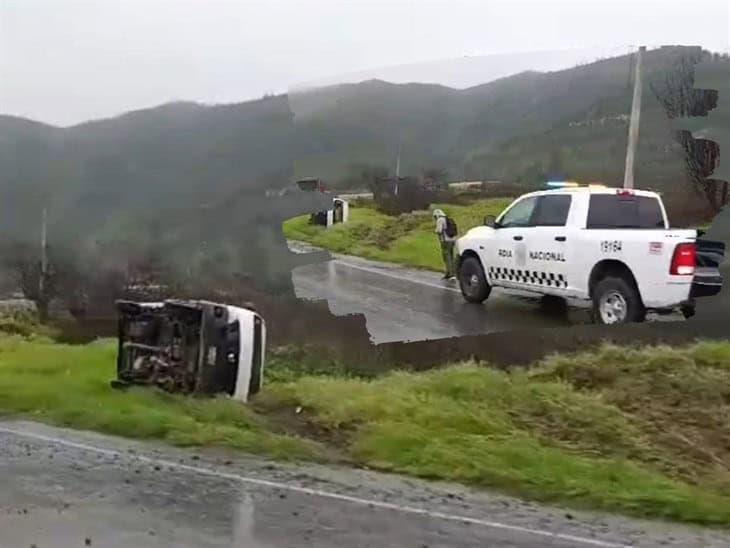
x=688 y=310
x=615 y=300
x=472 y=281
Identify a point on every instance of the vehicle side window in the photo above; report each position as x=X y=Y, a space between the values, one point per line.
x=551 y=210
x=519 y=214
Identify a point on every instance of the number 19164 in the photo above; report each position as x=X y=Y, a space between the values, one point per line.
x=610 y=246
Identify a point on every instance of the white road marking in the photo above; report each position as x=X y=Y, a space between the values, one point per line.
x=314 y=492
x=395 y=276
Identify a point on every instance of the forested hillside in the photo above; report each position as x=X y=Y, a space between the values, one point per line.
x=157 y=165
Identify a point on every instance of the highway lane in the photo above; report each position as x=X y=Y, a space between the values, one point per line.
x=65 y=489
x=402 y=304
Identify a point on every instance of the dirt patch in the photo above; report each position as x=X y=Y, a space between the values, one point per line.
x=297 y=421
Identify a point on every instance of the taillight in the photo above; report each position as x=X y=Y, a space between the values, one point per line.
x=684 y=260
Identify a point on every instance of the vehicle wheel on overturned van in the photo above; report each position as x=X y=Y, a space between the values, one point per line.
x=615 y=301
x=472 y=281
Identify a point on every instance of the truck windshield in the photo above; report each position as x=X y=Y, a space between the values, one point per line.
x=615 y=211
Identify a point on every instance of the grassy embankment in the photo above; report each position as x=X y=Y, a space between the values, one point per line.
x=407 y=239
x=643 y=432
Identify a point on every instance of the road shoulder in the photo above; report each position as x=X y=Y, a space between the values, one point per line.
x=436 y=501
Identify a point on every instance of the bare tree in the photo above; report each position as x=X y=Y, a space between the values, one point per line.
x=675 y=91
x=38 y=284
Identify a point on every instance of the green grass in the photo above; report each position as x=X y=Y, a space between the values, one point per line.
x=596 y=430
x=637 y=431
x=407 y=239
x=69 y=386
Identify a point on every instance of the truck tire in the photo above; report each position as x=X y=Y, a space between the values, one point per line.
x=615 y=301
x=472 y=281
x=688 y=310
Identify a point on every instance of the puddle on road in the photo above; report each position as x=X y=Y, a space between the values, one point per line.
x=396 y=310
x=116 y=524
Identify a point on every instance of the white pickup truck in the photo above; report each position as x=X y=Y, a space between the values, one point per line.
x=612 y=247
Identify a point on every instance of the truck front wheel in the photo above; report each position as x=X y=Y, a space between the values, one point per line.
x=473 y=282
x=615 y=300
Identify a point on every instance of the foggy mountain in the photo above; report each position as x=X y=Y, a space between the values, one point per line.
x=524 y=127
x=110 y=176
x=104 y=174
x=468 y=71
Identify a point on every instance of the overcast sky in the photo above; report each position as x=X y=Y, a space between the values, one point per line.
x=66 y=61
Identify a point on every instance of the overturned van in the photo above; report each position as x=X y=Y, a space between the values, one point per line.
x=340 y=211
x=191 y=347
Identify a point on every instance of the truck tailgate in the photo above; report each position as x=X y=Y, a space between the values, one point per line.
x=707 y=280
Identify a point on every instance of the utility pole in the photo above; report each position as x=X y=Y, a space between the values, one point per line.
x=44 y=253
x=397 y=171
x=634 y=122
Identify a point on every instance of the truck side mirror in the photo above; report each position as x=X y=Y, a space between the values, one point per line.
x=490 y=221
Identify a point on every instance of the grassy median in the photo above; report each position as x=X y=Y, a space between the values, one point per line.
x=69 y=386
x=407 y=239
x=642 y=431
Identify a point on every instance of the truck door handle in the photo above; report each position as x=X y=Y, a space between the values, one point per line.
x=518 y=238
x=559 y=238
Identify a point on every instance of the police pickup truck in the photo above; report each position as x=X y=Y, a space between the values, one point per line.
x=610 y=247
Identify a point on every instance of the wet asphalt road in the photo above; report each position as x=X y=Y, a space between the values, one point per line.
x=402 y=304
x=70 y=489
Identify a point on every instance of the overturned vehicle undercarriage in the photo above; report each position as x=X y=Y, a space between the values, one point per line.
x=192 y=347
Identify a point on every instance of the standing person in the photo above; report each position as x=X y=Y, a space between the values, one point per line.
x=446 y=231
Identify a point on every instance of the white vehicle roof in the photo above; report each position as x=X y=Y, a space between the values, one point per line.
x=591 y=189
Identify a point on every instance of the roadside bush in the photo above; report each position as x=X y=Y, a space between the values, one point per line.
x=362 y=203
x=396 y=228
x=406 y=194
x=24 y=323
x=15 y=326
